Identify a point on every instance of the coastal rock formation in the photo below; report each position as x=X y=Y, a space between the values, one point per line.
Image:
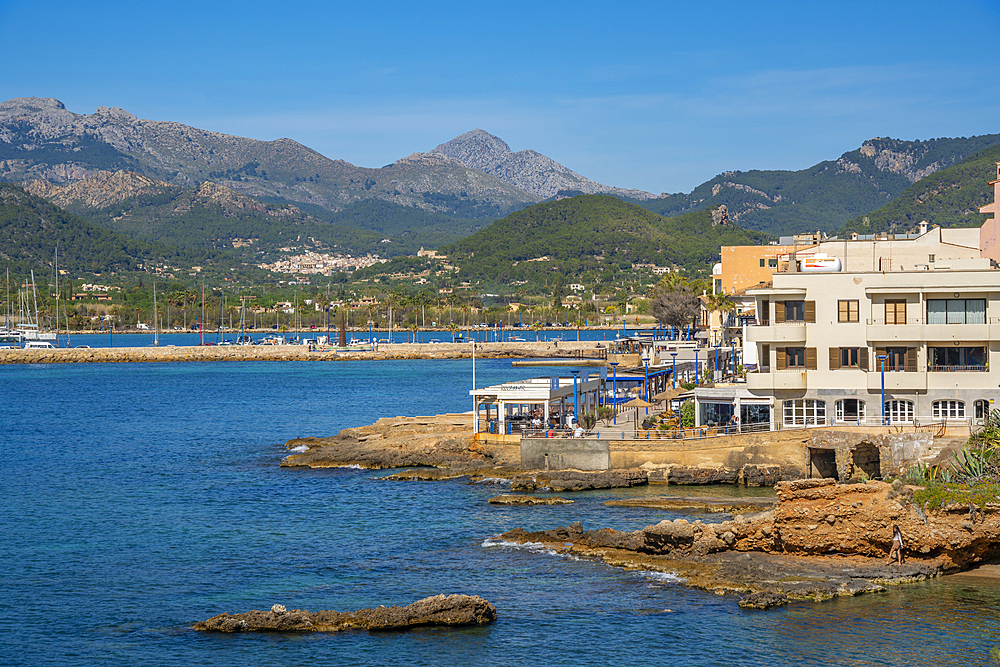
x=577 y=480
x=527 y=500
x=437 y=610
x=442 y=441
x=823 y=539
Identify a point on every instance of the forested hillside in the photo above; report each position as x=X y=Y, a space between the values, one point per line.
x=829 y=194
x=32 y=228
x=950 y=198
x=597 y=234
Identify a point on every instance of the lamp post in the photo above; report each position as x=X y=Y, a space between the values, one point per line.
x=734 y=359
x=576 y=403
x=881 y=360
x=614 y=390
x=696 y=367
x=673 y=373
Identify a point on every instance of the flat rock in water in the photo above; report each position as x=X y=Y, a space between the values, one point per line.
x=527 y=500
x=436 y=610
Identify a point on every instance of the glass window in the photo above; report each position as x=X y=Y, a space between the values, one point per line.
x=899 y=411
x=948 y=409
x=849 y=357
x=795 y=311
x=982 y=410
x=795 y=357
x=850 y=409
x=956 y=311
x=953 y=359
x=715 y=414
x=763 y=262
x=772 y=263
x=804 y=411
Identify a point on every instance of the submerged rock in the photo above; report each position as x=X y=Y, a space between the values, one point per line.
x=528 y=500
x=436 y=610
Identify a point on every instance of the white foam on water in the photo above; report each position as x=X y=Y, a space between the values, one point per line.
x=299 y=449
x=530 y=547
x=659 y=577
x=353 y=466
x=492 y=480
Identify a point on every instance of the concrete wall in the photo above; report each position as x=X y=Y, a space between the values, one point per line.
x=565 y=453
x=897 y=452
x=783 y=448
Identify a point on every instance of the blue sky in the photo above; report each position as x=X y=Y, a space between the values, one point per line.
x=658 y=96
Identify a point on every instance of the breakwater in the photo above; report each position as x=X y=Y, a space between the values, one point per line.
x=564 y=350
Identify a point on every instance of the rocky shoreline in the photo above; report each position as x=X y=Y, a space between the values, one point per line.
x=384 y=352
x=823 y=540
x=451 y=610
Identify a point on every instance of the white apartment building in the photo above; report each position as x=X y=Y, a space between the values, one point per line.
x=896 y=331
x=822 y=340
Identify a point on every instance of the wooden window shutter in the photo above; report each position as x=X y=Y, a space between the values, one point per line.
x=780 y=359
x=810 y=311
x=853 y=311
x=863 y=358
x=765 y=358
x=911 y=359
x=765 y=312
x=811 y=358
x=834 y=358
x=779 y=311
x=843 y=311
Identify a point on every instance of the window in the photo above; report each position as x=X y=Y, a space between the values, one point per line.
x=981 y=410
x=850 y=409
x=795 y=357
x=956 y=311
x=895 y=311
x=897 y=359
x=794 y=311
x=948 y=410
x=772 y=263
x=956 y=359
x=765 y=312
x=847 y=310
x=803 y=411
x=849 y=357
x=899 y=411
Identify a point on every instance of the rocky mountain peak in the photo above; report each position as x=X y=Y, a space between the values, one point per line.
x=526 y=169
x=31 y=104
x=97 y=190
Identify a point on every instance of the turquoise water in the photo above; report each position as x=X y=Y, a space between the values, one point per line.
x=140 y=498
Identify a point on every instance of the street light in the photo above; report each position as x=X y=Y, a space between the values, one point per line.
x=696 y=366
x=614 y=390
x=576 y=404
x=881 y=359
x=673 y=373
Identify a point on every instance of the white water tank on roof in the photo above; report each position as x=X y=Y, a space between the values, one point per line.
x=820 y=263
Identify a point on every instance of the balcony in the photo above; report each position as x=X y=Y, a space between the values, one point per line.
x=786 y=332
x=909 y=379
x=787 y=379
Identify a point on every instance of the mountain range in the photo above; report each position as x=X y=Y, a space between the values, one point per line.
x=206 y=192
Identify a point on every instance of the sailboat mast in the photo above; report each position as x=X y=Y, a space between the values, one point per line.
x=156 y=336
x=57 y=295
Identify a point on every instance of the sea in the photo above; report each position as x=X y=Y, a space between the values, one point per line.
x=138 y=499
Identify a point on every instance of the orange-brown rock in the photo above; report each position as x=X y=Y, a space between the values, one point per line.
x=823 y=539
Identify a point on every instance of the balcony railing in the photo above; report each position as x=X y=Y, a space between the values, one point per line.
x=881 y=321
x=957 y=369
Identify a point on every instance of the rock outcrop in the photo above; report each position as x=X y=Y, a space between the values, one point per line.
x=437 y=610
x=822 y=540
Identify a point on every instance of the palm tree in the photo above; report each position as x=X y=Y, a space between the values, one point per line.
x=537 y=326
x=579 y=324
x=413 y=331
x=452 y=327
